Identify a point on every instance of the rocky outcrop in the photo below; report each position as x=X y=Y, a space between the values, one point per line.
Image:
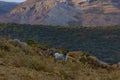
x=94 y=61
x=17 y=42
x=97 y=63
x=62 y=14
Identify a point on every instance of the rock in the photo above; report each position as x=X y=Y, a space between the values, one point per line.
x=97 y=63
x=17 y=42
x=50 y=51
x=118 y=65
x=75 y=55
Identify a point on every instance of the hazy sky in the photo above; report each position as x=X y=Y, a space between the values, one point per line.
x=13 y=0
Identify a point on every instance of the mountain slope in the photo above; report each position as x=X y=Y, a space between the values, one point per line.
x=66 y=13
x=31 y=11
x=6 y=7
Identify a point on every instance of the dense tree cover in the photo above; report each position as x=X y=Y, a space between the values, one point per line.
x=103 y=42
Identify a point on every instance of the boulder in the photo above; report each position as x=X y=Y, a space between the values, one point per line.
x=17 y=42
x=51 y=51
x=118 y=65
x=97 y=63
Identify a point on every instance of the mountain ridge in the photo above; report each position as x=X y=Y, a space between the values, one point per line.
x=66 y=13
x=6 y=7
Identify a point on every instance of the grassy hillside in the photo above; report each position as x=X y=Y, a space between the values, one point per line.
x=24 y=63
x=103 y=42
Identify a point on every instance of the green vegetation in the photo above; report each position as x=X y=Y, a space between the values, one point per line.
x=24 y=63
x=103 y=42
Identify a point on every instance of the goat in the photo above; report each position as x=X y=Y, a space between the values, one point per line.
x=63 y=57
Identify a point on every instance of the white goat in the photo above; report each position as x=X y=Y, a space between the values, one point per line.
x=58 y=56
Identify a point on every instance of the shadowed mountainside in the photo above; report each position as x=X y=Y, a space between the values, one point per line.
x=6 y=7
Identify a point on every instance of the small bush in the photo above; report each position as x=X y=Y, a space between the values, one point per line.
x=2 y=54
x=67 y=75
x=31 y=42
x=83 y=60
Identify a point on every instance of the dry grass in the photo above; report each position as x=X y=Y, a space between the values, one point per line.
x=25 y=64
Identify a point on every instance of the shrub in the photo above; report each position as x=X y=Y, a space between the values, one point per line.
x=2 y=53
x=31 y=42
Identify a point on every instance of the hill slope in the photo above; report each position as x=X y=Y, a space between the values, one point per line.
x=25 y=63
x=6 y=7
x=102 y=42
x=66 y=13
